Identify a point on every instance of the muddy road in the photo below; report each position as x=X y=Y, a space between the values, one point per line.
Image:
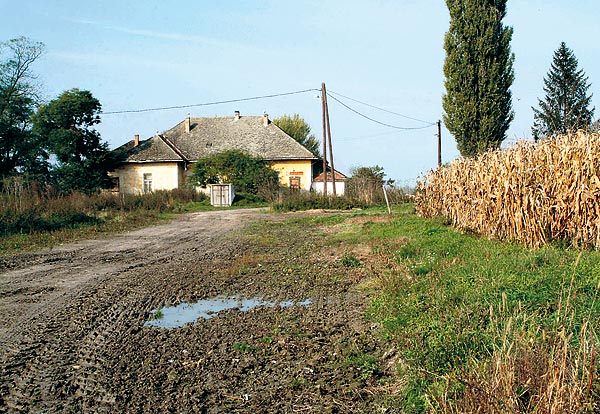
x=73 y=340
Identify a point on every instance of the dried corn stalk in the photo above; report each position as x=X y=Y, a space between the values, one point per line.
x=532 y=193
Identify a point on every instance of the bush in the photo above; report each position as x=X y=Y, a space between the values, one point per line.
x=312 y=201
x=248 y=199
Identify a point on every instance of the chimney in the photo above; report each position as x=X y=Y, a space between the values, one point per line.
x=237 y=114
x=187 y=124
x=136 y=140
x=265 y=119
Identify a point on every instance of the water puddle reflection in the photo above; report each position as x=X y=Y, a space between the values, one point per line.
x=176 y=316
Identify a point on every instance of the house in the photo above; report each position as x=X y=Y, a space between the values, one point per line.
x=163 y=162
x=340 y=183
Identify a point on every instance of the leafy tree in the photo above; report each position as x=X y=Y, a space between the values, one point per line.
x=65 y=128
x=299 y=129
x=366 y=184
x=19 y=151
x=248 y=174
x=479 y=73
x=566 y=105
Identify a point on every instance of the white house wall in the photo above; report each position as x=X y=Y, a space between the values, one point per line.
x=165 y=176
x=340 y=187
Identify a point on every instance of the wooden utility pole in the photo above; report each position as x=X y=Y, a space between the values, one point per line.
x=439 y=135
x=324 y=91
x=324 y=139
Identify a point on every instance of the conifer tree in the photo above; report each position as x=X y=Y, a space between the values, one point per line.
x=566 y=105
x=479 y=73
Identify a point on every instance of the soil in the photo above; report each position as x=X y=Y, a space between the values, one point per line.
x=73 y=340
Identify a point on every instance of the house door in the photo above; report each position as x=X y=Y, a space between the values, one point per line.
x=295 y=184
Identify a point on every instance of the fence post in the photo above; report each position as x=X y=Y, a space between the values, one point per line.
x=387 y=202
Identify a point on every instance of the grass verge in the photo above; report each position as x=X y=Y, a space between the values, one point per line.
x=483 y=324
x=477 y=325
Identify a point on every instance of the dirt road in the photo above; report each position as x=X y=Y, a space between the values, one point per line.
x=72 y=337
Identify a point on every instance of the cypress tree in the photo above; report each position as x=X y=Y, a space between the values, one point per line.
x=479 y=73
x=566 y=105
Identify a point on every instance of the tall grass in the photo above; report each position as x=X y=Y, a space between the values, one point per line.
x=481 y=326
x=26 y=207
x=531 y=369
x=289 y=201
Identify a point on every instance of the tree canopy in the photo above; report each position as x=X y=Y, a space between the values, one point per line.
x=565 y=107
x=19 y=151
x=248 y=174
x=479 y=73
x=366 y=184
x=299 y=129
x=65 y=127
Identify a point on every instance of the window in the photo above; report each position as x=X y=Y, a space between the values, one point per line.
x=115 y=184
x=147 y=182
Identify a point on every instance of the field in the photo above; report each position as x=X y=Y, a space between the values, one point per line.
x=405 y=315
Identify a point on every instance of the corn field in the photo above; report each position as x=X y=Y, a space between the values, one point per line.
x=533 y=193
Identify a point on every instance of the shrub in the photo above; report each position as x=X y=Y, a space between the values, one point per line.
x=311 y=201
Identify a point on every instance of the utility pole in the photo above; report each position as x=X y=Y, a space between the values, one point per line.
x=329 y=137
x=324 y=139
x=439 y=135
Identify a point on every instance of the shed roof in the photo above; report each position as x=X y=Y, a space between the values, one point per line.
x=338 y=176
x=209 y=136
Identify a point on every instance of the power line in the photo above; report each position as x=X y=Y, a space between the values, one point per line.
x=376 y=121
x=164 y=108
x=381 y=109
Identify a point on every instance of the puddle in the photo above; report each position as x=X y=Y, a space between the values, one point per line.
x=175 y=316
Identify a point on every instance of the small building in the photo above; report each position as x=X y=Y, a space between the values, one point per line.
x=340 y=183
x=163 y=161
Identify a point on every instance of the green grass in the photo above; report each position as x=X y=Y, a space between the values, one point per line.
x=447 y=306
x=465 y=313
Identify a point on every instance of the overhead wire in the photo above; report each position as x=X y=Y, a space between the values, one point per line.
x=376 y=121
x=379 y=108
x=164 y=108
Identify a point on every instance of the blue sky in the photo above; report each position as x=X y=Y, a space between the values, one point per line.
x=145 y=54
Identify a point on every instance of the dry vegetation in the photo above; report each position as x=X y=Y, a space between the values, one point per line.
x=531 y=193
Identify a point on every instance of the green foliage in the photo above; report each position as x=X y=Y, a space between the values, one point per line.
x=350 y=260
x=366 y=184
x=249 y=200
x=19 y=151
x=248 y=174
x=479 y=73
x=65 y=128
x=310 y=201
x=299 y=129
x=565 y=107
x=242 y=347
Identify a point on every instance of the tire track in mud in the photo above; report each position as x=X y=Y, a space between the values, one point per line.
x=98 y=293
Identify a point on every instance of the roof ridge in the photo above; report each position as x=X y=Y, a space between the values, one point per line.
x=173 y=147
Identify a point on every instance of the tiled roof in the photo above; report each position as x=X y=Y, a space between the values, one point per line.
x=155 y=148
x=338 y=176
x=210 y=136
